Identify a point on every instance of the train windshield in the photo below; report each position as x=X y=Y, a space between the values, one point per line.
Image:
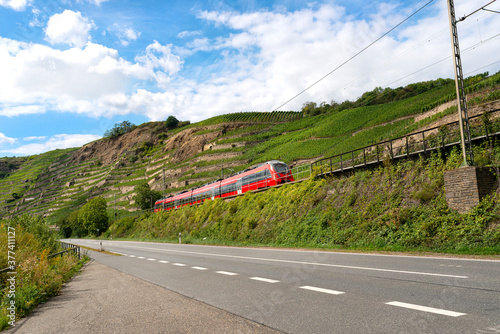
x=281 y=168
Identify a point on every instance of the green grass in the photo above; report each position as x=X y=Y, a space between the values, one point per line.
x=400 y=207
x=38 y=277
x=288 y=136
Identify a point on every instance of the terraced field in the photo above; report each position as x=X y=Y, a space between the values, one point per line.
x=55 y=183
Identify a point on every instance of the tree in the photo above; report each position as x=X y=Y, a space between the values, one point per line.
x=145 y=198
x=309 y=108
x=171 y=122
x=93 y=216
x=119 y=129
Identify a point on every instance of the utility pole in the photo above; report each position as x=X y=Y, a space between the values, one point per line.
x=463 y=118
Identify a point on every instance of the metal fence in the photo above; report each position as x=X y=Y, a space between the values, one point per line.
x=301 y=172
x=422 y=142
x=67 y=248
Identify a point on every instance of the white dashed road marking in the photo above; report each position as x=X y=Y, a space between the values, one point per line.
x=267 y=280
x=427 y=309
x=150 y=259
x=302 y=262
x=179 y=264
x=313 y=288
x=199 y=268
x=141 y=257
x=163 y=261
x=226 y=273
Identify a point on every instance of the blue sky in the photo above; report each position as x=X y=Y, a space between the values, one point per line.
x=71 y=69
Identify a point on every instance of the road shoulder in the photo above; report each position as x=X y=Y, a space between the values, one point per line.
x=105 y=300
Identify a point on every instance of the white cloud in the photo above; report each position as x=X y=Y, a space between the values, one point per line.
x=61 y=141
x=97 y=2
x=124 y=33
x=186 y=34
x=4 y=139
x=70 y=28
x=33 y=138
x=17 y=5
x=160 y=56
x=21 y=110
x=263 y=59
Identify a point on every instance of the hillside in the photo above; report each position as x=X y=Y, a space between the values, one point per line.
x=55 y=183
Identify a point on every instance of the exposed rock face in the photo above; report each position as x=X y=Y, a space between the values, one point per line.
x=186 y=143
x=110 y=150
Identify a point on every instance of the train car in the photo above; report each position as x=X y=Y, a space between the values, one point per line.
x=265 y=175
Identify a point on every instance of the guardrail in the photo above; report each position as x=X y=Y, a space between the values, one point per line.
x=67 y=248
x=422 y=142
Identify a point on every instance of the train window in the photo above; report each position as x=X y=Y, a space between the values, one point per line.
x=260 y=176
x=281 y=168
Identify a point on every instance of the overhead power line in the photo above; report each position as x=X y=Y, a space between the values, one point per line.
x=477 y=10
x=354 y=56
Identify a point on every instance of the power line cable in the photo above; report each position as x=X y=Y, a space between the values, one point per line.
x=425 y=41
x=479 y=69
x=354 y=56
x=470 y=48
x=477 y=10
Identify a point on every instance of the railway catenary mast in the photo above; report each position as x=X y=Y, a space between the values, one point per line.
x=463 y=118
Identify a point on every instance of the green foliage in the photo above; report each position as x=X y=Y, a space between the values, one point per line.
x=255 y=117
x=145 y=198
x=183 y=124
x=388 y=95
x=85 y=221
x=119 y=129
x=162 y=136
x=171 y=122
x=93 y=216
x=400 y=206
x=38 y=277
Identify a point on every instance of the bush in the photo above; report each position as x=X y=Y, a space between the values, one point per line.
x=171 y=122
x=119 y=129
x=145 y=197
x=38 y=277
x=367 y=210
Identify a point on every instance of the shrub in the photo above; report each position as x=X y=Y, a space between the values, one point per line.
x=119 y=129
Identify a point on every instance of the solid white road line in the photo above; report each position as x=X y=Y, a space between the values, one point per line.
x=163 y=261
x=313 y=288
x=199 y=268
x=300 y=262
x=427 y=309
x=267 y=280
x=179 y=264
x=226 y=273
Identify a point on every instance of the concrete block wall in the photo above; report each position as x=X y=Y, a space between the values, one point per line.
x=466 y=186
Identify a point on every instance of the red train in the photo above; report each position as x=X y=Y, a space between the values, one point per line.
x=264 y=175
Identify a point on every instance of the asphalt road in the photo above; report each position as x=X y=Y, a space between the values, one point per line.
x=322 y=292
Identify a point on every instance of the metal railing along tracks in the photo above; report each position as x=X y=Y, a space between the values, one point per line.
x=412 y=145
